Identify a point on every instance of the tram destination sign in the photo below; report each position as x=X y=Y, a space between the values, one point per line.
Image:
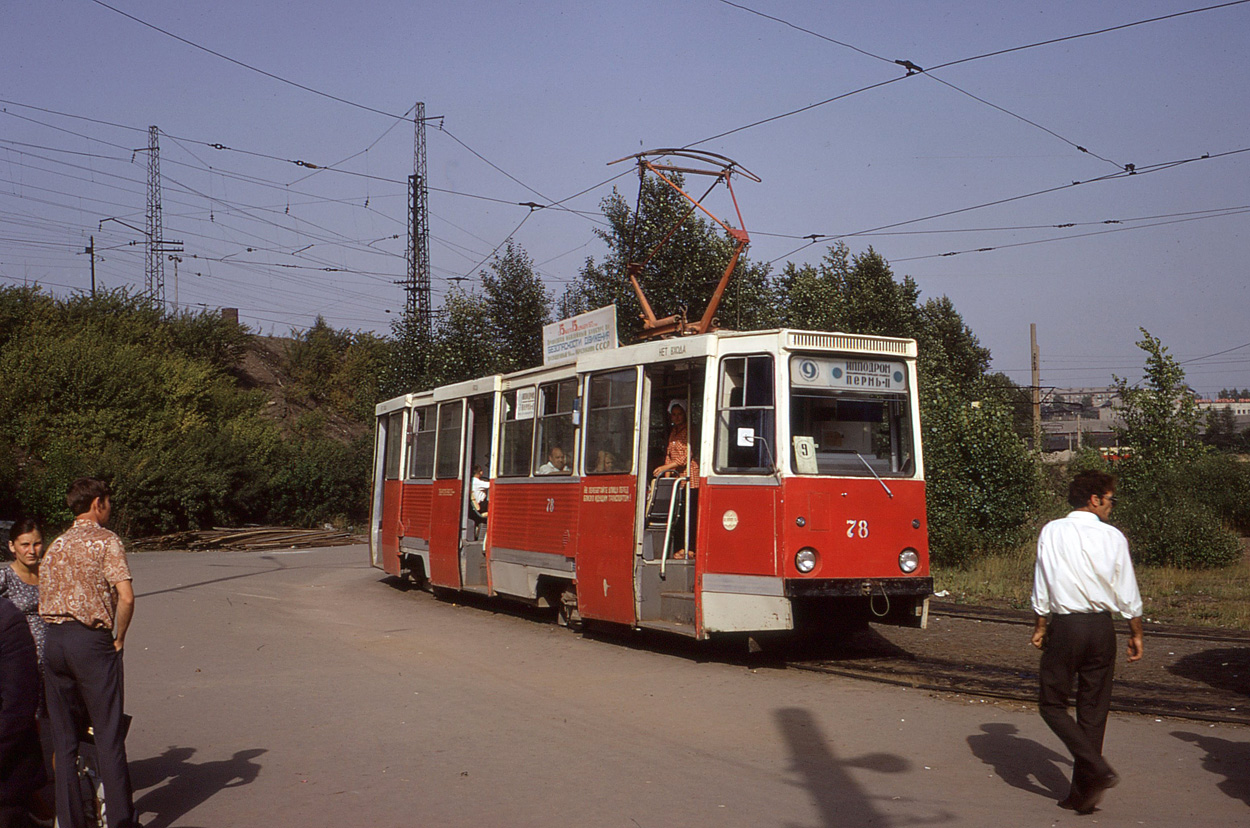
x=854 y=374
x=567 y=339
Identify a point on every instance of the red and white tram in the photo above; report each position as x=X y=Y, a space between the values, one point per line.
x=807 y=499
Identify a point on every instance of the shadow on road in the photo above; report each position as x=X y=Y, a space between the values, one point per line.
x=186 y=784
x=1021 y=763
x=837 y=796
x=1226 y=758
x=1227 y=668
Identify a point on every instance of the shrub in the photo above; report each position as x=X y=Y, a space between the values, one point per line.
x=983 y=487
x=1165 y=527
x=321 y=480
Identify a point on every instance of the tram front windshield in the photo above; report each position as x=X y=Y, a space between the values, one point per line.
x=850 y=417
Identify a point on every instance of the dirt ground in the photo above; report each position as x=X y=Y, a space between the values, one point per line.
x=1184 y=671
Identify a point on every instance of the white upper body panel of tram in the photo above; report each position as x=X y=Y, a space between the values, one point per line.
x=717 y=343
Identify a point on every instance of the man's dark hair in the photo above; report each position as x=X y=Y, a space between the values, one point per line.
x=80 y=494
x=1087 y=484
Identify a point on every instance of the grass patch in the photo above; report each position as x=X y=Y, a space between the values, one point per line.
x=1190 y=597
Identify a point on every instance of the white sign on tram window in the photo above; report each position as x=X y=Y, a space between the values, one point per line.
x=525 y=403
x=594 y=330
x=852 y=374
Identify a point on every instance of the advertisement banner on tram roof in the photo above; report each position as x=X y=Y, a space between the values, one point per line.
x=565 y=340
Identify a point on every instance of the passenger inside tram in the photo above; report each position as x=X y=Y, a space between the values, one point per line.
x=557 y=462
x=606 y=462
x=678 y=462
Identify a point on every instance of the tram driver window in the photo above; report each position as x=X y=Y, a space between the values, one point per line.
x=554 y=443
x=610 y=422
x=745 y=400
x=852 y=433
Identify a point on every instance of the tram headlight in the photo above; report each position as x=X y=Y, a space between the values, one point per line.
x=805 y=559
x=908 y=560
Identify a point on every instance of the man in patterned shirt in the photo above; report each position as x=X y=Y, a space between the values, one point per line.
x=86 y=596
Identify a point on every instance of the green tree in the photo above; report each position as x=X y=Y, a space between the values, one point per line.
x=519 y=305
x=1221 y=431
x=680 y=276
x=464 y=345
x=1170 y=513
x=340 y=369
x=1160 y=417
x=409 y=360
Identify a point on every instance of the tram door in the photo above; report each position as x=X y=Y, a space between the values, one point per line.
x=447 y=504
x=610 y=468
x=472 y=523
x=665 y=566
x=387 y=492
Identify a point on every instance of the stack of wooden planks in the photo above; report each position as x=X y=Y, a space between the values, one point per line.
x=251 y=538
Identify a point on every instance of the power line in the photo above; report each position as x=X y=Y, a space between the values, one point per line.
x=960 y=61
x=913 y=69
x=817 y=238
x=248 y=66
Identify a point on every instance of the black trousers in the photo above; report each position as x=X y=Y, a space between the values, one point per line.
x=83 y=677
x=1081 y=647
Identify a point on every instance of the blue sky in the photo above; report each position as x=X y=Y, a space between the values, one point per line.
x=549 y=92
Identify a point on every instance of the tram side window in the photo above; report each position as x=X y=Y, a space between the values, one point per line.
x=553 y=450
x=394 y=444
x=421 y=450
x=450 y=417
x=610 y=422
x=518 y=432
x=745 y=401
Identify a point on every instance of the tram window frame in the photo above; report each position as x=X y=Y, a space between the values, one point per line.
x=746 y=398
x=394 y=445
x=876 y=435
x=422 y=436
x=447 y=453
x=605 y=418
x=555 y=414
x=516 y=443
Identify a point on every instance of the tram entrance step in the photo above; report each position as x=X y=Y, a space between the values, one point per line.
x=669 y=627
x=677 y=606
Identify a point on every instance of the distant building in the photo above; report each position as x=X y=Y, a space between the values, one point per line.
x=1240 y=408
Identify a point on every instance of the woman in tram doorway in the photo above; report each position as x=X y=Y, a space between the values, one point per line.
x=679 y=463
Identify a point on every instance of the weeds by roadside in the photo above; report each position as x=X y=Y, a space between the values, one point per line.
x=1206 y=597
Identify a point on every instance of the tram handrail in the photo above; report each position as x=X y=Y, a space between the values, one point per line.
x=668 y=526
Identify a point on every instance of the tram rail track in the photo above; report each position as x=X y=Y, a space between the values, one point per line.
x=1188 y=674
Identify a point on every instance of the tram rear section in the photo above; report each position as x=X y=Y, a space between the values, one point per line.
x=804 y=506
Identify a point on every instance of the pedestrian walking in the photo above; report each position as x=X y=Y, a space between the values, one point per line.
x=1082 y=581
x=86 y=597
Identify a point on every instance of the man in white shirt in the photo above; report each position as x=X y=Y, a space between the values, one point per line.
x=1083 y=579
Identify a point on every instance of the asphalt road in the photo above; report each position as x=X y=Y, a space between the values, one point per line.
x=305 y=689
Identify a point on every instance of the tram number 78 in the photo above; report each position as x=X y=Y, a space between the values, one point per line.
x=857 y=528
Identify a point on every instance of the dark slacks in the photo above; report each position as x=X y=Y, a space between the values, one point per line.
x=83 y=674
x=1080 y=646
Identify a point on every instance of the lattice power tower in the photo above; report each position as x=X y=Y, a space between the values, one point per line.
x=417 y=284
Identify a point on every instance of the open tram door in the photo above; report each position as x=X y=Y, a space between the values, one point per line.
x=474 y=513
x=668 y=513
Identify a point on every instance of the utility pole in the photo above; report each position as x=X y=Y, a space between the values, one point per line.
x=175 y=259
x=417 y=282
x=1037 y=388
x=90 y=251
